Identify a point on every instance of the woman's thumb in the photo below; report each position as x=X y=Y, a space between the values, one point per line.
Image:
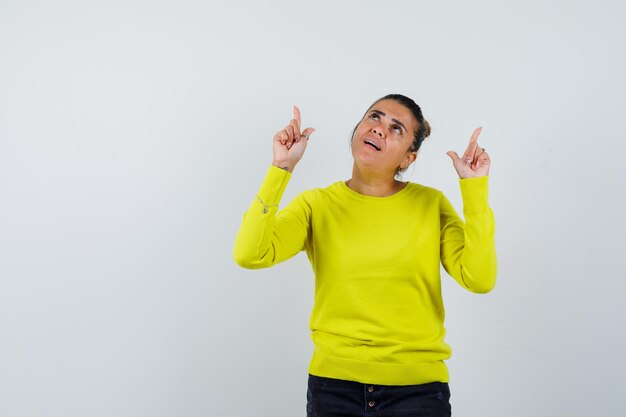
x=453 y=155
x=307 y=132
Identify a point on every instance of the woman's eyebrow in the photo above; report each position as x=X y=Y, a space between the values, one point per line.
x=393 y=120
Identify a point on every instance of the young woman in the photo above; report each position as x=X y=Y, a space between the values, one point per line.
x=376 y=244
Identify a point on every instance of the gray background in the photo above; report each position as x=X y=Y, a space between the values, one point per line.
x=133 y=136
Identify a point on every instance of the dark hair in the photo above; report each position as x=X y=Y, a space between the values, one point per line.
x=423 y=127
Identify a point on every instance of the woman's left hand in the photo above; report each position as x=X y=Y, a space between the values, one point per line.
x=475 y=161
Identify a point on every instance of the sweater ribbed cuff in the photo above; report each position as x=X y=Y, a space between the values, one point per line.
x=475 y=193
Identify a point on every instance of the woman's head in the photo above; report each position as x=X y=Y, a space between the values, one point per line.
x=422 y=130
x=394 y=128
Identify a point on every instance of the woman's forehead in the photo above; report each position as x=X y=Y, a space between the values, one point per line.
x=393 y=109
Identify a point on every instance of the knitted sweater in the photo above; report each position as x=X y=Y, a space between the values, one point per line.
x=378 y=314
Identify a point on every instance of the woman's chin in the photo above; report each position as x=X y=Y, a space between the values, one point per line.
x=367 y=156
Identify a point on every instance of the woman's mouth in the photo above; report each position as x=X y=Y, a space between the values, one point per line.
x=372 y=144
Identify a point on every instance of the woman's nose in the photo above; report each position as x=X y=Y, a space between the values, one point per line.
x=378 y=130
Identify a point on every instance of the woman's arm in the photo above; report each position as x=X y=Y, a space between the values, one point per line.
x=468 y=251
x=268 y=236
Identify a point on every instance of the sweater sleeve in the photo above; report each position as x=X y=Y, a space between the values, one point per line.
x=468 y=251
x=267 y=235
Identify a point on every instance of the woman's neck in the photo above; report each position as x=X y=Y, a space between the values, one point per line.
x=372 y=185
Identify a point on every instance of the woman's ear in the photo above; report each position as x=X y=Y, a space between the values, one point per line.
x=409 y=159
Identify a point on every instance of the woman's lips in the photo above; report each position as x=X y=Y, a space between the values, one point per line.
x=372 y=144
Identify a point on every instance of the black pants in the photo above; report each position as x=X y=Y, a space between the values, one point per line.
x=327 y=397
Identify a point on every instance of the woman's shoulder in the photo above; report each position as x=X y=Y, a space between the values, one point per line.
x=323 y=191
x=319 y=193
x=416 y=189
x=310 y=195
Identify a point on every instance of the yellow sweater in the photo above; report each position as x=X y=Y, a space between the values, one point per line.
x=378 y=315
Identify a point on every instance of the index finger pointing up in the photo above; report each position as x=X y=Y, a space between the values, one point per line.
x=473 y=144
x=296 y=115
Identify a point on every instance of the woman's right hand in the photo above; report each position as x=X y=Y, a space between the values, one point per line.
x=290 y=143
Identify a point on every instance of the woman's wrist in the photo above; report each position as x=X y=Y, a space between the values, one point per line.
x=287 y=166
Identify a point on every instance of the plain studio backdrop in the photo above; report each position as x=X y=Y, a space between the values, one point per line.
x=134 y=134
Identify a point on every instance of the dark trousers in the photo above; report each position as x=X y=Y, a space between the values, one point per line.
x=327 y=397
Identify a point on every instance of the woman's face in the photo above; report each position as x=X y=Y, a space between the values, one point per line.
x=383 y=137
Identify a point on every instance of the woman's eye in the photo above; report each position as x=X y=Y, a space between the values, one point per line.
x=396 y=128
x=374 y=116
